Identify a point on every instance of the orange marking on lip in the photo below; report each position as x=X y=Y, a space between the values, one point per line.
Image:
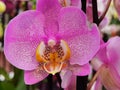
x=53 y=57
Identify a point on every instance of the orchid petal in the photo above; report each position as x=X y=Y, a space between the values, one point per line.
x=113 y=52
x=66 y=78
x=76 y=3
x=71 y=19
x=72 y=85
x=51 y=9
x=81 y=70
x=84 y=43
x=110 y=78
x=102 y=55
x=104 y=23
x=96 y=63
x=98 y=85
x=22 y=36
x=34 y=76
x=84 y=46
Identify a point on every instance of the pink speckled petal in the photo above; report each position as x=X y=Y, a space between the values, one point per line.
x=71 y=20
x=84 y=46
x=34 y=76
x=51 y=9
x=84 y=43
x=113 y=52
x=81 y=70
x=22 y=35
x=66 y=77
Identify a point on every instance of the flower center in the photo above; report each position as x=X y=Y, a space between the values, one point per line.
x=65 y=3
x=53 y=56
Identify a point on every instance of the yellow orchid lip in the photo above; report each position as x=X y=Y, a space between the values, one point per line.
x=53 y=56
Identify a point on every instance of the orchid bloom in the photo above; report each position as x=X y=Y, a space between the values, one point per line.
x=107 y=65
x=49 y=40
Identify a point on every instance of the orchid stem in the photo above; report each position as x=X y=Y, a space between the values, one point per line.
x=83 y=5
x=3 y=27
x=29 y=87
x=94 y=78
x=97 y=19
x=17 y=7
x=105 y=11
x=95 y=12
x=59 y=80
x=26 y=5
x=82 y=82
x=50 y=82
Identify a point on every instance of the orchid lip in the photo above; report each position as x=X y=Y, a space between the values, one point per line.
x=53 y=56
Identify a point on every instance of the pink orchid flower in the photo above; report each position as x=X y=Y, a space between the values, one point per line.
x=108 y=65
x=49 y=40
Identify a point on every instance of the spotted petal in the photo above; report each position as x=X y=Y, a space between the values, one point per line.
x=51 y=9
x=83 y=42
x=34 y=76
x=22 y=36
x=71 y=20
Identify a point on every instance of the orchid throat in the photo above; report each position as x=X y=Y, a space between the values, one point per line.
x=53 y=56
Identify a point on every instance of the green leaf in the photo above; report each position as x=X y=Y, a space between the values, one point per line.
x=4 y=73
x=6 y=86
x=21 y=85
